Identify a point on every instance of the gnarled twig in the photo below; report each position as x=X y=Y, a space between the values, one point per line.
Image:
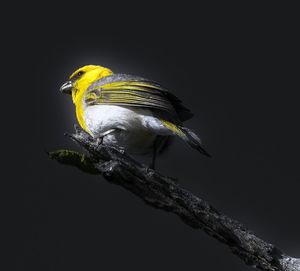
x=162 y=192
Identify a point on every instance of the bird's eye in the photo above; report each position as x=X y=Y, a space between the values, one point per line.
x=79 y=73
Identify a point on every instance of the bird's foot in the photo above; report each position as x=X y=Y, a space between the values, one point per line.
x=99 y=139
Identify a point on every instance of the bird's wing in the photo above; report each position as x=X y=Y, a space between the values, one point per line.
x=122 y=89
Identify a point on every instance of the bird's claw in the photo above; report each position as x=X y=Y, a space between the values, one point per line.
x=77 y=129
x=99 y=141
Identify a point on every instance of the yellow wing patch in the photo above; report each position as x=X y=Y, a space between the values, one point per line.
x=173 y=127
x=129 y=93
x=142 y=86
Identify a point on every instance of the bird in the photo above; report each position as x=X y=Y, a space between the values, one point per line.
x=137 y=114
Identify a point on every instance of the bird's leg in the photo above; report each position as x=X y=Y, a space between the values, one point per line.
x=99 y=141
x=156 y=144
x=100 y=137
x=152 y=165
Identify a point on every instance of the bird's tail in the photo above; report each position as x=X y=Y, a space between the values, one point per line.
x=187 y=135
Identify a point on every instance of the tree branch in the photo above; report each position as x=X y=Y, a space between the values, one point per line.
x=164 y=193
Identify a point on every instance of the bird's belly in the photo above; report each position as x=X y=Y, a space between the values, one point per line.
x=130 y=133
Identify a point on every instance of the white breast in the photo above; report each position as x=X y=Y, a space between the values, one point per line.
x=132 y=132
x=100 y=118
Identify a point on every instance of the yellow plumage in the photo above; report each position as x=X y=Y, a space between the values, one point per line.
x=91 y=74
x=127 y=110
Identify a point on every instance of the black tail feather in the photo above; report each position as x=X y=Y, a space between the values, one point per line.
x=193 y=140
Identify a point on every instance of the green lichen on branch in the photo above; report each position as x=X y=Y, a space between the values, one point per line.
x=73 y=158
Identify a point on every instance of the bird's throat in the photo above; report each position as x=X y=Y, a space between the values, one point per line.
x=78 y=94
x=78 y=99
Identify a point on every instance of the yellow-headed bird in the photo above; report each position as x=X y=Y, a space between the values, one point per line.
x=132 y=112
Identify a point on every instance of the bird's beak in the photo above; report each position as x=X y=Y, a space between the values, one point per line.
x=67 y=87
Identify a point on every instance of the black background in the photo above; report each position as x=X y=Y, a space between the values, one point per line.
x=236 y=67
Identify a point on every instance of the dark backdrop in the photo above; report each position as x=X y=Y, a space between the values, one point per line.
x=235 y=67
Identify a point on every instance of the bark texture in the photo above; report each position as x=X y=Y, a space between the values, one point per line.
x=164 y=193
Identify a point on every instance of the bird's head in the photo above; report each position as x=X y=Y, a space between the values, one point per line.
x=80 y=80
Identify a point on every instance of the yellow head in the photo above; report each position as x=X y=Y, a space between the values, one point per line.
x=81 y=79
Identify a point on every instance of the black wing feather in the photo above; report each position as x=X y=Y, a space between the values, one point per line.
x=129 y=90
